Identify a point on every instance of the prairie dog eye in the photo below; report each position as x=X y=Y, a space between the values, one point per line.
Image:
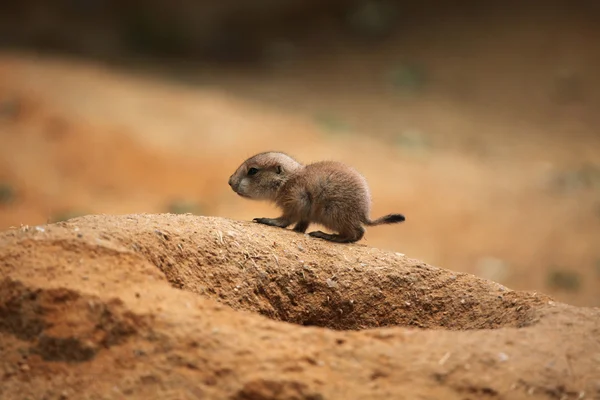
x=252 y=171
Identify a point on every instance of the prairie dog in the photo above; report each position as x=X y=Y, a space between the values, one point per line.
x=327 y=192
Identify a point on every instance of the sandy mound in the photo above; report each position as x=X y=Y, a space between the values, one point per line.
x=164 y=306
x=117 y=142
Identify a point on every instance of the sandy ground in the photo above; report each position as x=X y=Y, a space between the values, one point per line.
x=487 y=142
x=497 y=194
x=186 y=307
x=199 y=306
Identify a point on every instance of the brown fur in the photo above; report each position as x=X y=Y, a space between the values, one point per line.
x=327 y=192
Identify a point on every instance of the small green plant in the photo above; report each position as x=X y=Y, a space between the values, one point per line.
x=407 y=77
x=586 y=176
x=372 y=18
x=414 y=143
x=563 y=279
x=66 y=215
x=145 y=33
x=184 y=207
x=332 y=123
x=412 y=139
x=10 y=107
x=7 y=193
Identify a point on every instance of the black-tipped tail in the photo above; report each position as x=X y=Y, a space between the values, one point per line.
x=388 y=219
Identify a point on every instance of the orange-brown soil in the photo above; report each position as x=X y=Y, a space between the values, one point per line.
x=494 y=162
x=186 y=307
x=503 y=198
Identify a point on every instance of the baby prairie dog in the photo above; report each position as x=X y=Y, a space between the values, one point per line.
x=327 y=192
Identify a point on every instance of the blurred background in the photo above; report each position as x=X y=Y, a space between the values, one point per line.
x=477 y=120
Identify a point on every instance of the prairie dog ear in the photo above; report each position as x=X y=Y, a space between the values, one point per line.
x=278 y=169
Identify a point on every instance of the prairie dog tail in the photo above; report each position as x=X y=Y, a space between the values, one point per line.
x=387 y=219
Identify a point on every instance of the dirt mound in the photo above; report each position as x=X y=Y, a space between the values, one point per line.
x=165 y=306
x=116 y=142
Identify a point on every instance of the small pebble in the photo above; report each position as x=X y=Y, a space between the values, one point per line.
x=331 y=283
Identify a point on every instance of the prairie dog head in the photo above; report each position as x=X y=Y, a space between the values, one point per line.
x=261 y=176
